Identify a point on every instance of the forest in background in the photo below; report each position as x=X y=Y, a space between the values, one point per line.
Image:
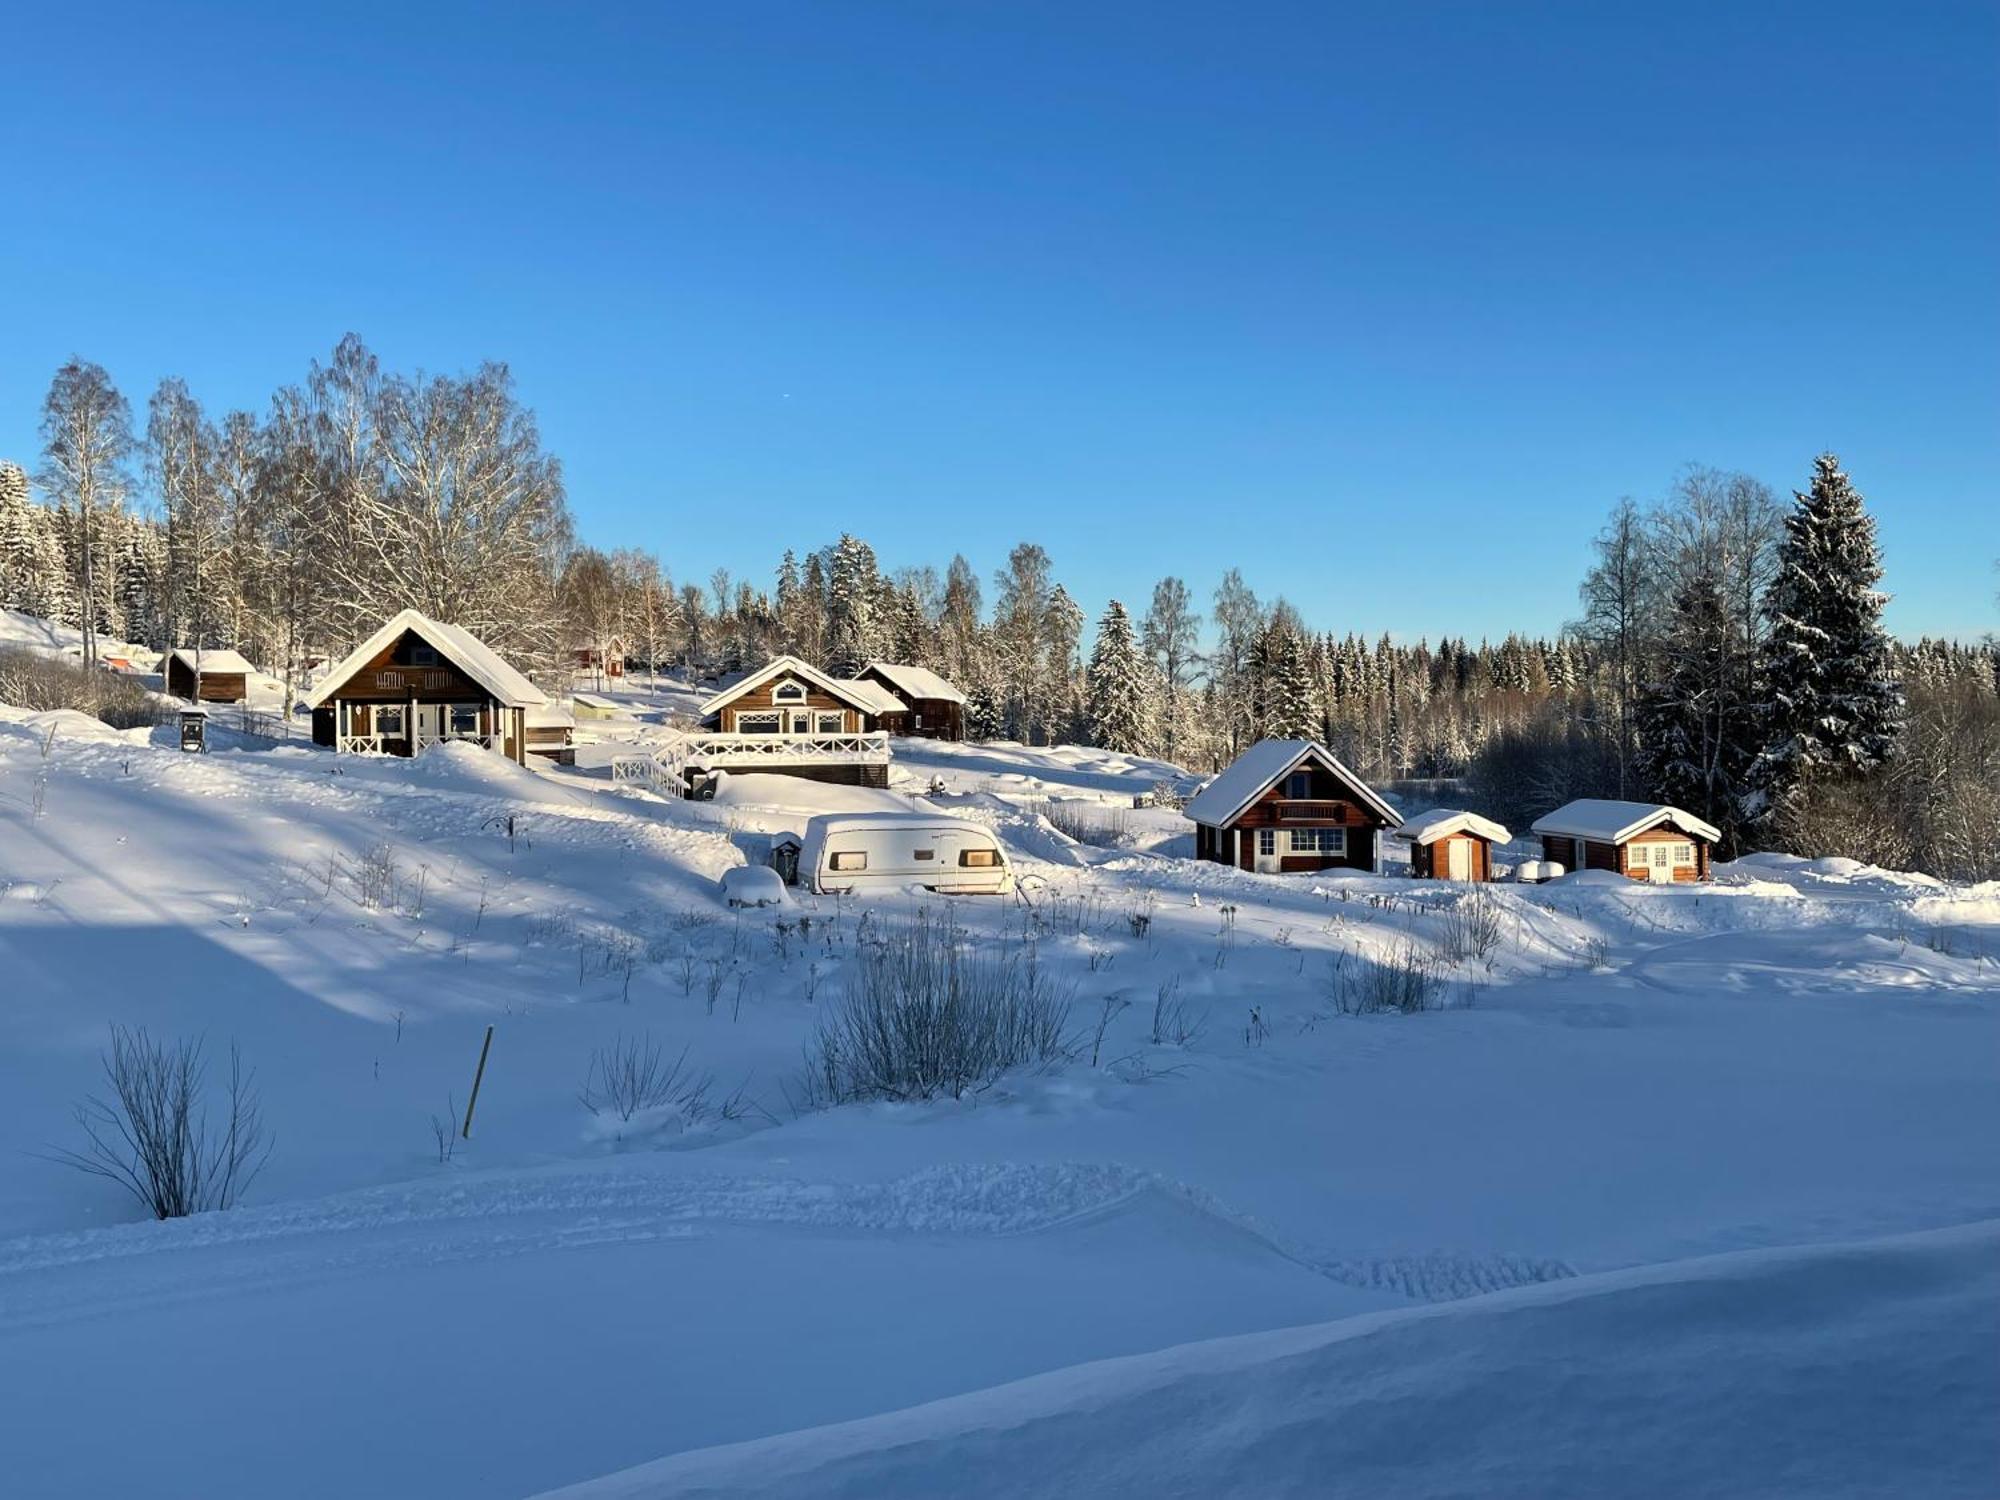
x=1727 y=655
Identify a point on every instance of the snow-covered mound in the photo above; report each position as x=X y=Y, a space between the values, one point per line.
x=1853 y=1370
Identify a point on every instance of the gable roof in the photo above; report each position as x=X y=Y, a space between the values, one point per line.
x=1262 y=767
x=1442 y=822
x=834 y=687
x=1613 y=822
x=916 y=682
x=223 y=661
x=880 y=699
x=454 y=643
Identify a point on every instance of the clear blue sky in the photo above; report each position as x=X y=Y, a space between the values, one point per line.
x=1385 y=306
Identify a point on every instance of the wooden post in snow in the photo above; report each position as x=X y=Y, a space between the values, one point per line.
x=478 y=1074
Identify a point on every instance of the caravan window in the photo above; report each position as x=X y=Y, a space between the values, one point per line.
x=925 y=854
x=978 y=859
x=851 y=860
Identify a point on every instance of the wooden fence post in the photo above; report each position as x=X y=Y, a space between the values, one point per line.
x=480 y=1073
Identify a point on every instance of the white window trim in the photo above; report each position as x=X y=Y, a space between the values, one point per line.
x=775 y=717
x=1267 y=842
x=788 y=692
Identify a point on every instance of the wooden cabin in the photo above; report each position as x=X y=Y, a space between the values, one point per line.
x=791 y=719
x=551 y=732
x=1640 y=840
x=606 y=656
x=1289 y=806
x=934 y=709
x=594 y=707
x=1446 y=844
x=417 y=682
x=225 y=676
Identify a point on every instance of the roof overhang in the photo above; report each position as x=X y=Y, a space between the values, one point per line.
x=780 y=666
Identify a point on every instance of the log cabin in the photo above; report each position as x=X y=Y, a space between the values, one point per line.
x=1640 y=840
x=416 y=682
x=934 y=709
x=606 y=656
x=791 y=719
x=1289 y=806
x=225 y=676
x=1446 y=844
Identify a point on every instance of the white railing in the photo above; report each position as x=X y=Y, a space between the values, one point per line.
x=484 y=741
x=700 y=749
x=358 y=744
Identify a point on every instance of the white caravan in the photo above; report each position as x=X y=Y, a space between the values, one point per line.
x=894 y=851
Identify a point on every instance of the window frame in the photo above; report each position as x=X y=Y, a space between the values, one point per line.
x=423 y=656
x=1267 y=843
x=979 y=859
x=775 y=716
x=838 y=726
x=382 y=713
x=453 y=710
x=847 y=861
x=788 y=691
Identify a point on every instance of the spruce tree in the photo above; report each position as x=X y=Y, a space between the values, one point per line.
x=1832 y=704
x=1697 y=733
x=1119 y=686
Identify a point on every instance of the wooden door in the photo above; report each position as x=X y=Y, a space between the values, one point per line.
x=1458 y=859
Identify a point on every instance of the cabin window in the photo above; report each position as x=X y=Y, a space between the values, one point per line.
x=978 y=859
x=389 y=720
x=1267 y=841
x=423 y=656
x=788 y=692
x=465 y=718
x=760 y=723
x=925 y=853
x=1319 y=841
x=832 y=723
x=1299 y=785
x=1684 y=854
x=850 y=860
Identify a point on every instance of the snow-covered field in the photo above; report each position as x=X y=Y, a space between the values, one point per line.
x=1686 y=1190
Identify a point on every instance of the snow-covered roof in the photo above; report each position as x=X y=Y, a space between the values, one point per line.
x=454 y=643
x=778 y=666
x=1612 y=822
x=550 y=716
x=221 y=660
x=916 y=682
x=878 y=699
x=1442 y=822
x=595 y=700
x=1262 y=767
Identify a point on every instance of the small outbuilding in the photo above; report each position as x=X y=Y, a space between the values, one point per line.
x=552 y=733
x=594 y=706
x=930 y=707
x=224 y=675
x=1647 y=841
x=1289 y=806
x=1446 y=844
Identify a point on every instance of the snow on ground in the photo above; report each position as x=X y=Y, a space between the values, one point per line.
x=1718 y=1377
x=1799 y=1056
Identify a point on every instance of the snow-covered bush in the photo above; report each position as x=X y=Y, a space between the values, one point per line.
x=631 y=1076
x=925 y=1014
x=39 y=683
x=1471 y=926
x=154 y=1136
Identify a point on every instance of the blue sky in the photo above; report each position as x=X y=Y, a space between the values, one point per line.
x=1385 y=306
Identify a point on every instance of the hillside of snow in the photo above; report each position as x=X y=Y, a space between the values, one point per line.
x=1669 y=1169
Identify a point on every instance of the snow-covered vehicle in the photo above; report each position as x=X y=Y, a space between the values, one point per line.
x=892 y=851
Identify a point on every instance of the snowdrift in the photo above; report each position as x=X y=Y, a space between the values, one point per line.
x=1730 y=1375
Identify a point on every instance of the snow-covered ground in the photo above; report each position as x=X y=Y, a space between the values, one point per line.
x=1687 y=1189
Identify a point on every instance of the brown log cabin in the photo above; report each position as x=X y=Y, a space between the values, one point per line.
x=225 y=676
x=1646 y=841
x=1286 y=807
x=788 y=718
x=933 y=708
x=416 y=682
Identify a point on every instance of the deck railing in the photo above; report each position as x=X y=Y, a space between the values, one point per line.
x=1305 y=810
x=359 y=744
x=864 y=749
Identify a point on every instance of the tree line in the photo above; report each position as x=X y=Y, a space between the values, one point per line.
x=1728 y=654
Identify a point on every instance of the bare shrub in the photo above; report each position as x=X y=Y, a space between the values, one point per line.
x=1173 y=1025
x=632 y=1075
x=444 y=1131
x=924 y=1014
x=1471 y=926
x=373 y=877
x=1088 y=822
x=154 y=1136
x=38 y=683
x=1406 y=982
